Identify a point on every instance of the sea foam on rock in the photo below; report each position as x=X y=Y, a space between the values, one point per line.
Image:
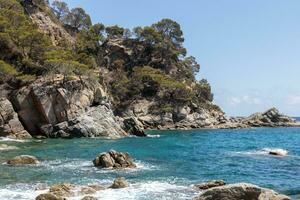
x=114 y=159
x=240 y=191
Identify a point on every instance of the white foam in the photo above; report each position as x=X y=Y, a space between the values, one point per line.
x=264 y=151
x=145 y=190
x=7 y=147
x=153 y=136
x=6 y=139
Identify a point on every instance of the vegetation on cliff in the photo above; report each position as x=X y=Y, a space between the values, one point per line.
x=144 y=63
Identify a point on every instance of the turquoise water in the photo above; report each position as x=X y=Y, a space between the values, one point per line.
x=169 y=162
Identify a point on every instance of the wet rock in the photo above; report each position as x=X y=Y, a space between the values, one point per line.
x=48 y=196
x=62 y=190
x=96 y=187
x=89 y=198
x=240 y=191
x=278 y=152
x=119 y=183
x=113 y=159
x=23 y=160
x=134 y=127
x=210 y=184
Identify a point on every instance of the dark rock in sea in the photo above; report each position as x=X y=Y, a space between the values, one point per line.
x=240 y=191
x=48 y=196
x=134 y=127
x=119 y=183
x=113 y=159
x=210 y=184
x=23 y=160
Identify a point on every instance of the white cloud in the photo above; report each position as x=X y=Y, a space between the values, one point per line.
x=293 y=100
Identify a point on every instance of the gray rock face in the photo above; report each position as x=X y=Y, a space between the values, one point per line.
x=10 y=124
x=54 y=108
x=240 y=191
x=113 y=159
x=23 y=160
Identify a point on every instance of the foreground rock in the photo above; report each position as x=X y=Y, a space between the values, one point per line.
x=240 y=191
x=210 y=184
x=48 y=196
x=89 y=198
x=113 y=159
x=62 y=190
x=23 y=160
x=119 y=183
x=10 y=125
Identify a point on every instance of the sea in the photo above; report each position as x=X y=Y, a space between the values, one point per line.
x=169 y=163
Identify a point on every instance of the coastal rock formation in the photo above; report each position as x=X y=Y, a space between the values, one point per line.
x=270 y=118
x=10 y=125
x=134 y=127
x=56 y=108
x=119 y=183
x=113 y=159
x=23 y=160
x=210 y=184
x=62 y=190
x=89 y=198
x=240 y=191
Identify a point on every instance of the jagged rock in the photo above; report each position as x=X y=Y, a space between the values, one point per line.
x=119 y=183
x=270 y=118
x=89 y=198
x=210 y=184
x=62 y=190
x=113 y=159
x=240 y=191
x=48 y=196
x=96 y=187
x=134 y=127
x=10 y=125
x=23 y=160
x=55 y=108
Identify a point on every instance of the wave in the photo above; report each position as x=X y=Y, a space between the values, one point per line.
x=152 y=189
x=6 y=139
x=153 y=136
x=4 y=147
x=265 y=151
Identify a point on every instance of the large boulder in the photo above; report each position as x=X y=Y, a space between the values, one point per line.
x=119 y=183
x=240 y=191
x=113 y=159
x=62 y=189
x=10 y=125
x=23 y=160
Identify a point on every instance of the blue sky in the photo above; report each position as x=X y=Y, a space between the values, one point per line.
x=248 y=50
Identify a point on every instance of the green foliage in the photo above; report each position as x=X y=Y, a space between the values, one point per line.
x=60 y=9
x=6 y=69
x=114 y=31
x=78 y=19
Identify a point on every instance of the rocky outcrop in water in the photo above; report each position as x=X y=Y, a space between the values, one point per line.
x=49 y=196
x=210 y=184
x=240 y=191
x=113 y=159
x=119 y=183
x=23 y=160
x=134 y=127
x=10 y=124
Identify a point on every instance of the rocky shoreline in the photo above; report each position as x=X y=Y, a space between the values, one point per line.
x=52 y=108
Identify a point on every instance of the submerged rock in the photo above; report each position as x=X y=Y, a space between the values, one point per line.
x=119 y=183
x=113 y=159
x=278 y=152
x=23 y=160
x=210 y=184
x=240 y=191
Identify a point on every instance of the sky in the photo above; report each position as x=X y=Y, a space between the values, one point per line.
x=248 y=50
